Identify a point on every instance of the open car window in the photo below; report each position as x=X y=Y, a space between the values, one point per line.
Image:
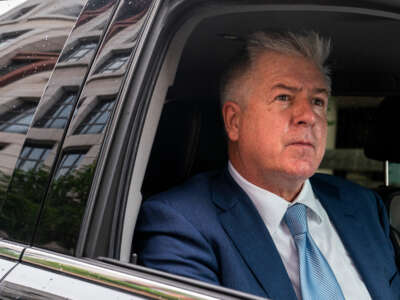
x=363 y=74
x=183 y=134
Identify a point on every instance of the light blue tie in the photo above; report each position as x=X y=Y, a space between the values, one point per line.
x=317 y=280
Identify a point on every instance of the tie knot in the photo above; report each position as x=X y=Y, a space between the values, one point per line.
x=296 y=219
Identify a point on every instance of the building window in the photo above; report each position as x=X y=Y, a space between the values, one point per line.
x=72 y=11
x=81 y=51
x=32 y=158
x=97 y=119
x=69 y=162
x=9 y=37
x=18 y=120
x=59 y=114
x=114 y=63
x=13 y=66
x=22 y=12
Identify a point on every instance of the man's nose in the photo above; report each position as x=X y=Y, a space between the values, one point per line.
x=303 y=112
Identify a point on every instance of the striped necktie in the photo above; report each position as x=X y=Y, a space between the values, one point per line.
x=317 y=280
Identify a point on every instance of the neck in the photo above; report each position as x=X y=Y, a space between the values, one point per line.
x=276 y=184
x=285 y=187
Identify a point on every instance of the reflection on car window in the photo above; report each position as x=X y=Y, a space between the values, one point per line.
x=80 y=51
x=59 y=114
x=19 y=210
x=97 y=119
x=20 y=12
x=32 y=158
x=60 y=224
x=69 y=162
x=8 y=38
x=32 y=36
x=87 y=128
x=19 y=119
x=114 y=63
x=72 y=11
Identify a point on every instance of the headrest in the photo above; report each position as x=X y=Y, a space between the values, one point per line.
x=190 y=139
x=382 y=141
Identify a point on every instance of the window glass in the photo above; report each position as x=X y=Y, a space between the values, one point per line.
x=70 y=188
x=32 y=158
x=31 y=40
x=349 y=119
x=394 y=174
x=19 y=119
x=69 y=162
x=24 y=194
x=21 y=12
x=8 y=38
x=114 y=63
x=59 y=114
x=80 y=51
x=97 y=119
x=87 y=128
x=72 y=11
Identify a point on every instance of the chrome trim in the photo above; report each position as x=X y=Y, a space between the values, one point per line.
x=10 y=250
x=106 y=277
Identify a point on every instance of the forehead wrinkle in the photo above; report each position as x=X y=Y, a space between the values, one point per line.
x=287 y=87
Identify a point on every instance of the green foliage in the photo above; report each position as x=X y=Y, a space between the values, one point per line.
x=61 y=219
x=21 y=200
x=65 y=207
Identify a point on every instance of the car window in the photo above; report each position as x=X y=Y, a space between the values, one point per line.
x=32 y=36
x=359 y=85
x=90 y=110
x=349 y=122
x=188 y=83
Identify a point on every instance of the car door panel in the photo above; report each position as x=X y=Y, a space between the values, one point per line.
x=5 y=267
x=27 y=280
x=49 y=275
x=10 y=254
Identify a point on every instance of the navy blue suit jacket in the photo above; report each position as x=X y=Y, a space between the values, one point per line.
x=208 y=229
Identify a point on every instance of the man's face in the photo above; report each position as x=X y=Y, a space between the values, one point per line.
x=280 y=130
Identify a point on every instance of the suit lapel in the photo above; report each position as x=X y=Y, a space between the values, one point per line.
x=246 y=229
x=343 y=214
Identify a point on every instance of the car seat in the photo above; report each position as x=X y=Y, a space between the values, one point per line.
x=190 y=139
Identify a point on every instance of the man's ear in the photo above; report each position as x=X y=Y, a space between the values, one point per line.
x=232 y=113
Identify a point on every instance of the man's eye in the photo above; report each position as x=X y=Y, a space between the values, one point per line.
x=319 y=102
x=283 y=98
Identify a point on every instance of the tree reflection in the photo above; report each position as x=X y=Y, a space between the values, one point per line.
x=65 y=205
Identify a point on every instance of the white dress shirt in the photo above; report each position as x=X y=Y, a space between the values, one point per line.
x=272 y=209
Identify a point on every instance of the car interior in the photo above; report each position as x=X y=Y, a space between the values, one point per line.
x=183 y=133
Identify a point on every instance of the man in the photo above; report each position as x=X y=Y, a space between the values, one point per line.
x=262 y=226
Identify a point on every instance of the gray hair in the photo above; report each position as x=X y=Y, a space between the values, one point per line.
x=309 y=45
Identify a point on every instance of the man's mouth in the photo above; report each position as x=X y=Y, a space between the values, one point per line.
x=302 y=144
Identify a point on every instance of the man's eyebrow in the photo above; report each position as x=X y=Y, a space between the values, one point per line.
x=298 y=89
x=321 y=91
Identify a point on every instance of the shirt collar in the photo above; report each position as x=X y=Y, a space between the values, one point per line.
x=307 y=197
x=270 y=206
